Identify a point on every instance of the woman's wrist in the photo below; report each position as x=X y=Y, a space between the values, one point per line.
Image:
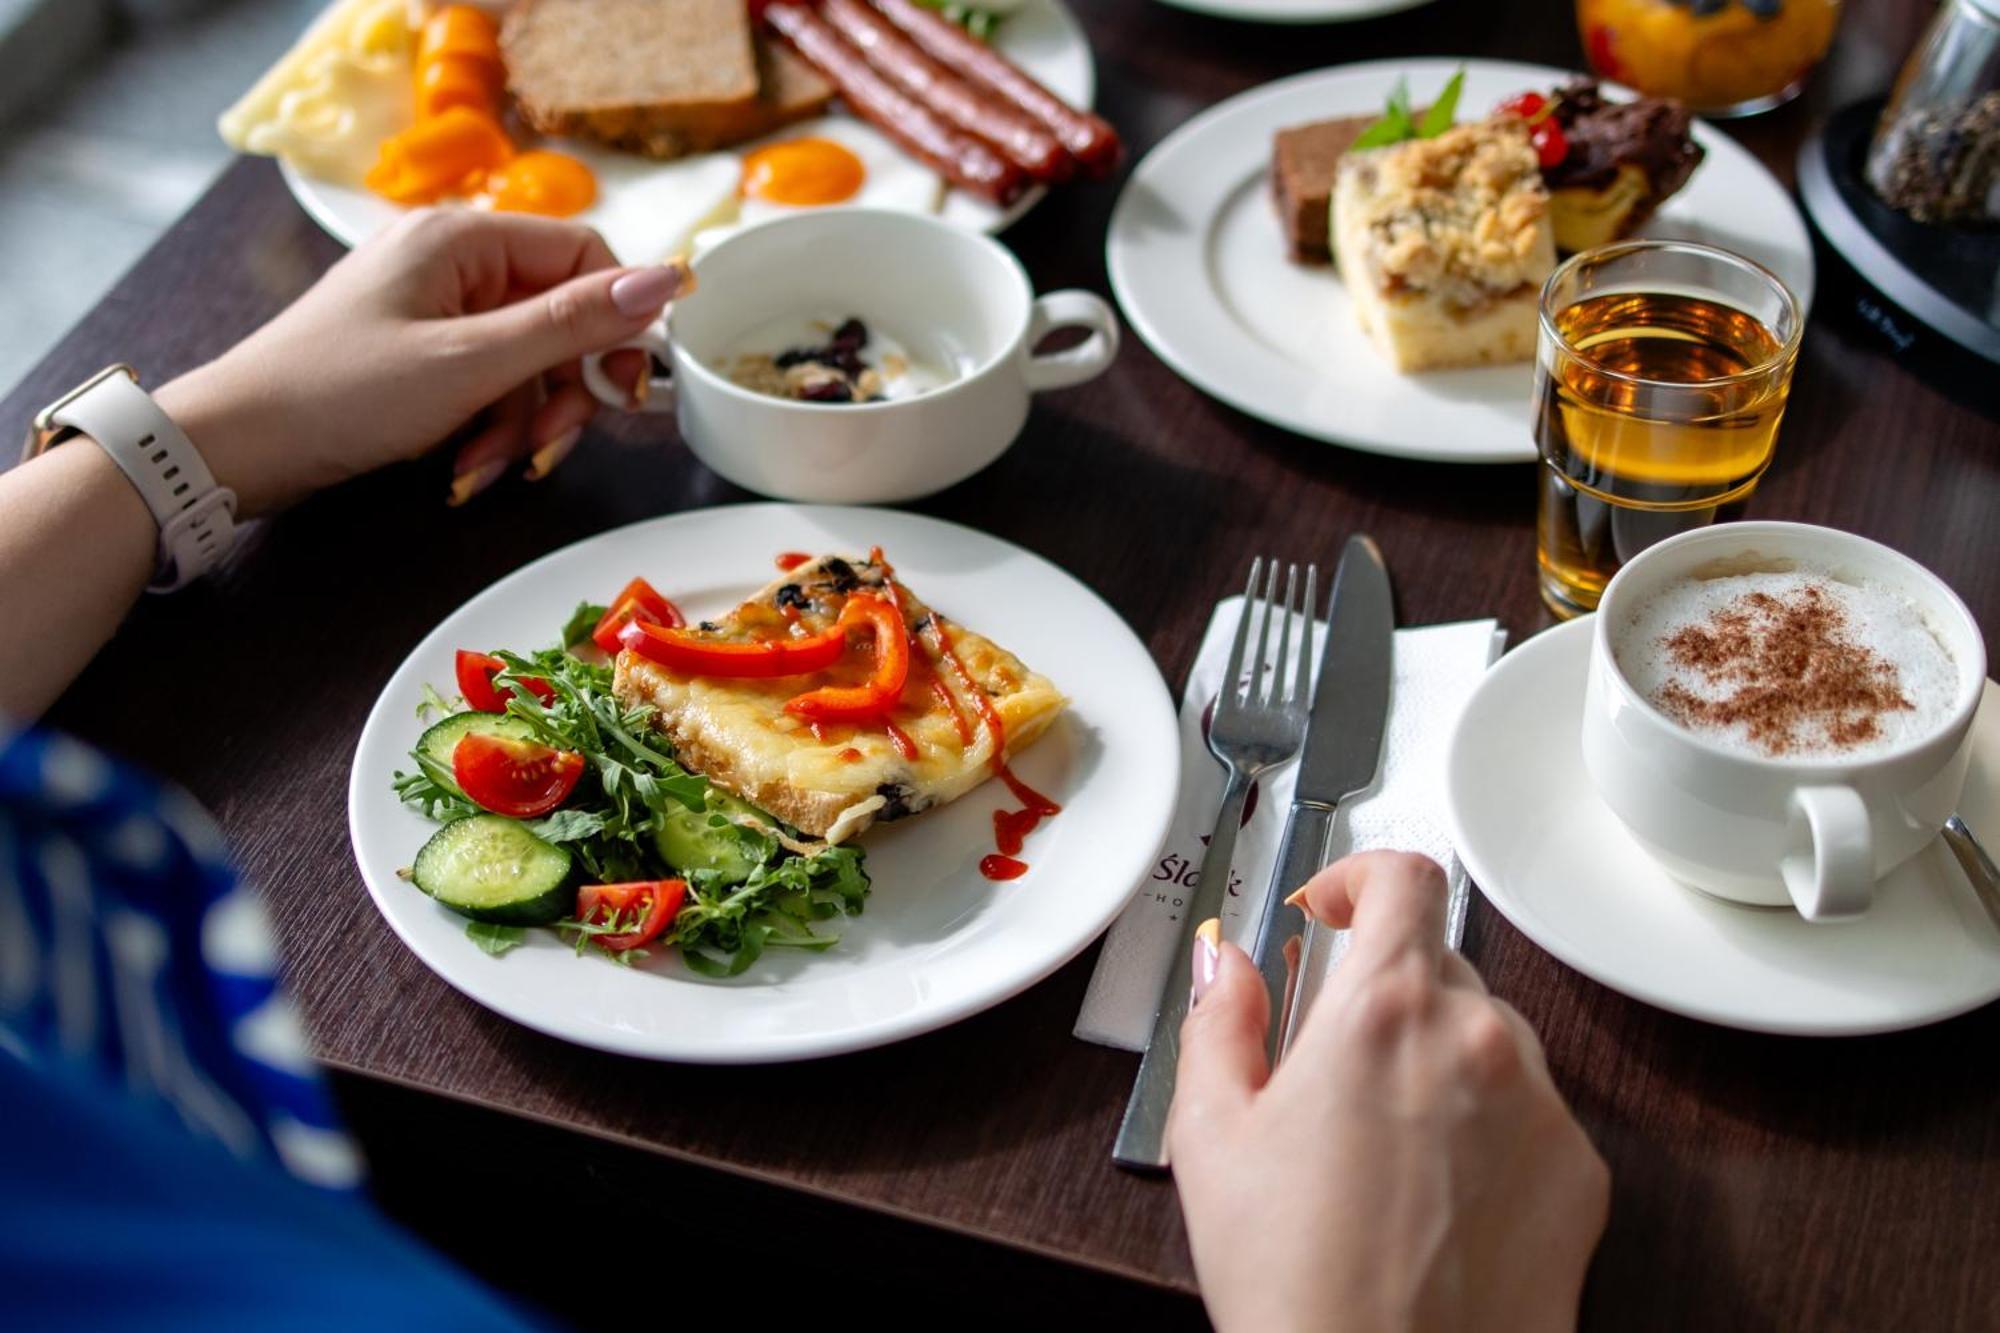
x=225 y=412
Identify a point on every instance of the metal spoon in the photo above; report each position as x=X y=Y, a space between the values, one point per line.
x=1978 y=866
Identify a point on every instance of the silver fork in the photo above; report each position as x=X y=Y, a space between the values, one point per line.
x=1259 y=723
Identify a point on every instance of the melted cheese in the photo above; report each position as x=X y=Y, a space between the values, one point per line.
x=328 y=103
x=832 y=784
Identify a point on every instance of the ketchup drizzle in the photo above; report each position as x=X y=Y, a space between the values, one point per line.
x=998 y=867
x=901 y=740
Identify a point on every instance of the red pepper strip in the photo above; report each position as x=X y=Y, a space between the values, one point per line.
x=695 y=654
x=637 y=602
x=859 y=703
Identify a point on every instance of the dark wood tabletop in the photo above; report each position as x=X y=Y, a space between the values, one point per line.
x=1761 y=1182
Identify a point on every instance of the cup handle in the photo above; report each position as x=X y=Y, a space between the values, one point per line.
x=659 y=394
x=1073 y=365
x=1830 y=867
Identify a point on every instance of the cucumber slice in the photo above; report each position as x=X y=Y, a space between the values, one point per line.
x=493 y=869
x=690 y=839
x=435 y=746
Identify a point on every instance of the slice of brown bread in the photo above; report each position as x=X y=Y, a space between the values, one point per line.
x=660 y=77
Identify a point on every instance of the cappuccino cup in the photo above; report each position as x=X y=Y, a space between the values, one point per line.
x=1780 y=714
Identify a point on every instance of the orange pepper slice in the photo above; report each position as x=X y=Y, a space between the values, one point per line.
x=439 y=155
x=459 y=30
x=551 y=184
x=451 y=81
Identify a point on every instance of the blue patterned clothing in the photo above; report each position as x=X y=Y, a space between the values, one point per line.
x=158 y=1106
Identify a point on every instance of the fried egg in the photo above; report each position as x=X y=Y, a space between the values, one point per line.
x=831 y=162
x=648 y=211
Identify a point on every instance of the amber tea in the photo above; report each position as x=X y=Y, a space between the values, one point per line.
x=1653 y=411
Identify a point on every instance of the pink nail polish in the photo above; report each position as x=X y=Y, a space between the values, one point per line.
x=470 y=483
x=1207 y=956
x=643 y=291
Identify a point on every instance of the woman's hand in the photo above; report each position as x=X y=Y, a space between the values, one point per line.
x=1410 y=1165
x=446 y=314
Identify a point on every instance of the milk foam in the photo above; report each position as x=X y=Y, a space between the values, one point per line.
x=1876 y=618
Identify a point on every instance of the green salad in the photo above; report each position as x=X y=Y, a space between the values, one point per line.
x=560 y=809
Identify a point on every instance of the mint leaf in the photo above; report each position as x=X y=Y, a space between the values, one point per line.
x=1439 y=118
x=495 y=940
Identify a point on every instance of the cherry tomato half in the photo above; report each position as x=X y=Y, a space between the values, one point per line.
x=652 y=903
x=475 y=682
x=638 y=601
x=519 y=779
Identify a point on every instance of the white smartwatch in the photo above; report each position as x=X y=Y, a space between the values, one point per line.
x=197 y=518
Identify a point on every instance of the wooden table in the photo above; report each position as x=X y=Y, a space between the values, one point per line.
x=1761 y=1182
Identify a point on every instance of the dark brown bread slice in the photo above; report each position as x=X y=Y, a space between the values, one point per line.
x=661 y=77
x=1303 y=160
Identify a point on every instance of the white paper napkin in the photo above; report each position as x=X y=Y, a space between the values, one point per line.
x=1434 y=672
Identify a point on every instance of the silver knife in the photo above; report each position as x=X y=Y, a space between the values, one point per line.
x=1342 y=752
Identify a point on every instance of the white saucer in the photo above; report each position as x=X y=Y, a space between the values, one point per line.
x=1197 y=259
x=1548 y=854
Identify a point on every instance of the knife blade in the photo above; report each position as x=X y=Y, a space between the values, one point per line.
x=1343 y=751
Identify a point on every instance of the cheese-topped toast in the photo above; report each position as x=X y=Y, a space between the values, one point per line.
x=965 y=697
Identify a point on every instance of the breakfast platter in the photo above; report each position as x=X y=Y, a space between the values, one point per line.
x=1199 y=260
x=949 y=927
x=649 y=208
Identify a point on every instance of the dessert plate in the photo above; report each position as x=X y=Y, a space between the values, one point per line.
x=1558 y=864
x=937 y=942
x=644 y=223
x=1199 y=265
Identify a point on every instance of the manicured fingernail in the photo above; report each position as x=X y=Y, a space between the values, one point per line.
x=545 y=459
x=470 y=483
x=1297 y=898
x=644 y=290
x=1207 y=955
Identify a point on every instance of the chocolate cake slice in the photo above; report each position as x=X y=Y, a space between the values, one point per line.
x=1624 y=160
x=1303 y=160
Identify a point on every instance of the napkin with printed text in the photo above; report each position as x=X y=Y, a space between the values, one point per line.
x=1434 y=672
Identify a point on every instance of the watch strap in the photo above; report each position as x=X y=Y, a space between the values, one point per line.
x=197 y=518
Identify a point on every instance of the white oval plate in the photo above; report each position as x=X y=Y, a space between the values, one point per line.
x=1043 y=38
x=937 y=942
x=1297 y=11
x=1198 y=262
x=1557 y=863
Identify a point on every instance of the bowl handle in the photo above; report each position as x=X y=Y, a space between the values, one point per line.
x=1073 y=365
x=657 y=394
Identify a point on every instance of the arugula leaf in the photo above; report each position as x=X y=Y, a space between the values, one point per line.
x=495 y=940
x=433 y=702
x=568 y=825
x=981 y=23
x=581 y=622
x=422 y=791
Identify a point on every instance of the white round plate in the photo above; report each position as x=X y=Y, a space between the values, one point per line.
x=1297 y=11
x=1557 y=863
x=1200 y=267
x=937 y=942
x=1043 y=38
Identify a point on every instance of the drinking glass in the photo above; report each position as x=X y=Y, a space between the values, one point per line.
x=1721 y=57
x=1660 y=378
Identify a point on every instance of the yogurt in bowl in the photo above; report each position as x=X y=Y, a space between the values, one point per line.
x=955 y=303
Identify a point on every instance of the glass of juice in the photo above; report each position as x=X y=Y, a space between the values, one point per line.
x=1720 y=57
x=1660 y=378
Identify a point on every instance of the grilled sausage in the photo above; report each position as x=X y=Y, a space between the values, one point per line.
x=961 y=159
x=971 y=107
x=1089 y=138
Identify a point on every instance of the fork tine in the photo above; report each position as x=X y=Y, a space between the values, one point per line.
x=1259 y=692
x=1302 y=692
x=1277 y=694
x=1234 y=671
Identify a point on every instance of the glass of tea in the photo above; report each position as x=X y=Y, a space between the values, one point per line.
x=1660 y=379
